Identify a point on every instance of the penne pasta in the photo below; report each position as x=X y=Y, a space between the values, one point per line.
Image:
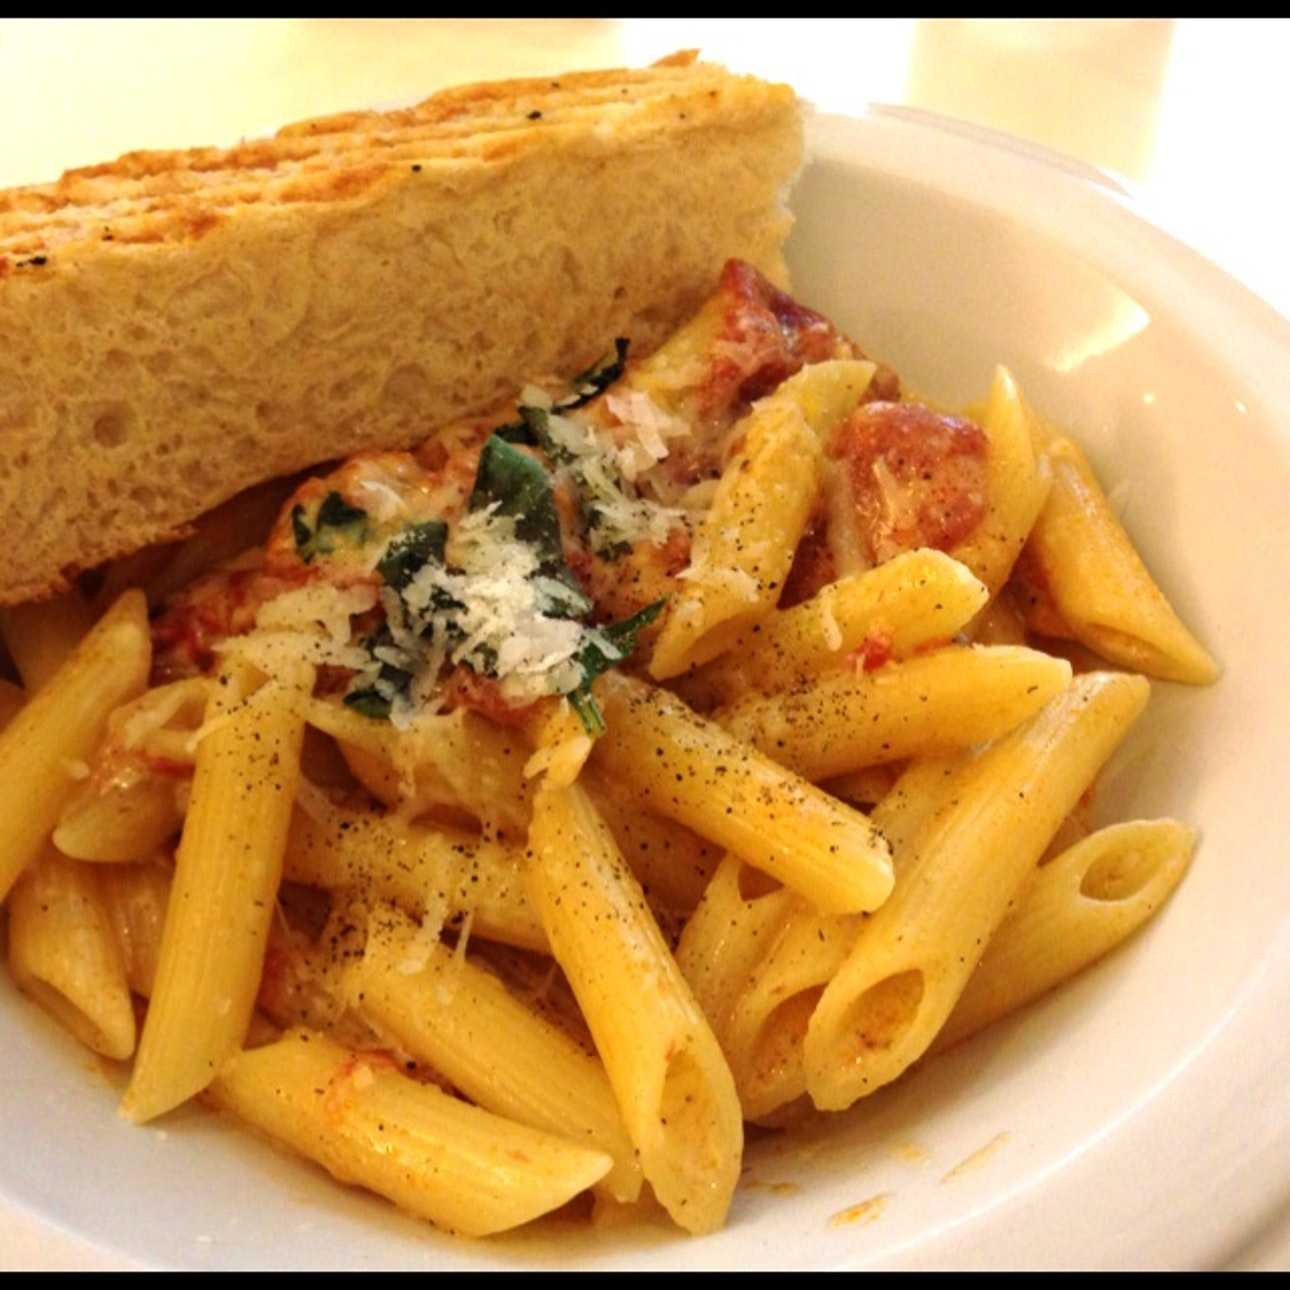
x=767 y=1013
x=49 y=742
x=1018 y=484
x=999 y=623
x=912 y=600
x=1074 y=910
x=136 y=896
x=63 y=954
x=1087 y=564
x=672 y=863
x=432 y=1155
x=692 y=771
x=863 y=788
x=459 y=761
x=745 y=545
x=461 y=1020
x=766 y=1028
x=471 y=910
x=927 y=706
x=127 y=820
x=673 y=1087
x=132 y=804
x=913 y=958
x=423 y=868
x=724 y=939
x=227 y=872
x=41 y=636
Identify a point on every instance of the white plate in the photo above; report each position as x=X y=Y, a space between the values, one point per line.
x=1141 y=1117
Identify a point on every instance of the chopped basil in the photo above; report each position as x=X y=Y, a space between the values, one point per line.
x=606 y=647
x=336 y=519
x=593 y=520
x=588 y=710
x=411 y=551
x=597 y=378
x=620 y=637
x=376 y=696
x=369 y=703
x=337 y=513
x=519 y=487
x=537 y=421
x=301 y=532
x=529 y=429
x=434 y=627
x=517 y=431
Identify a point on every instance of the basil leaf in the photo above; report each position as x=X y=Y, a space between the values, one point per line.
x=411 y=551
x=336 y=517
x=587 y=386
x=517 y=432
x=538 y=421
x=621 y=639
x=370 y=703
x=597 y=378
x=301 y=532
x=337 y=513
x=520 y=488
x=588 y=710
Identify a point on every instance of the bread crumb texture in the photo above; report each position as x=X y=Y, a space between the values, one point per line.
x=177 y=326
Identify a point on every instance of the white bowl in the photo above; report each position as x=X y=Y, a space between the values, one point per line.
x=1139 y=1117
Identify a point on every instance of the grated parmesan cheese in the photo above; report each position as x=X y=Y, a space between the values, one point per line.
x=603 y=469
x=829 y=628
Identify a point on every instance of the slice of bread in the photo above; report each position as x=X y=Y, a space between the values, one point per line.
x=177 y=326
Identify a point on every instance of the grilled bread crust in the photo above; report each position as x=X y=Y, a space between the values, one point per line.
x=176 y=326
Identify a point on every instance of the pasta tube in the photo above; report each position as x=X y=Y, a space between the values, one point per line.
x=766 y=1028
x=136 y=896
x=911 y=600
x=672 y=863
x=55 y=733
x=724 y=939
x=692 y=771
x=420 y=867
x=459 y=760
x=913 y=958
x=432 y=1155
x=926 y=706
x=1099 y=584
x=125 y=821
x=744 y=548
x=133 y=803
x=41 y=636
x=1076 y=908
x=64 y=955
x=227 y=873
x=1018 y=483
x=764 y=1025
x=673 y=1087
x=463 y=1022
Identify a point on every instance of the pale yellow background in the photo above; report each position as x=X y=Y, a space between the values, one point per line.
x=1194 y=113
